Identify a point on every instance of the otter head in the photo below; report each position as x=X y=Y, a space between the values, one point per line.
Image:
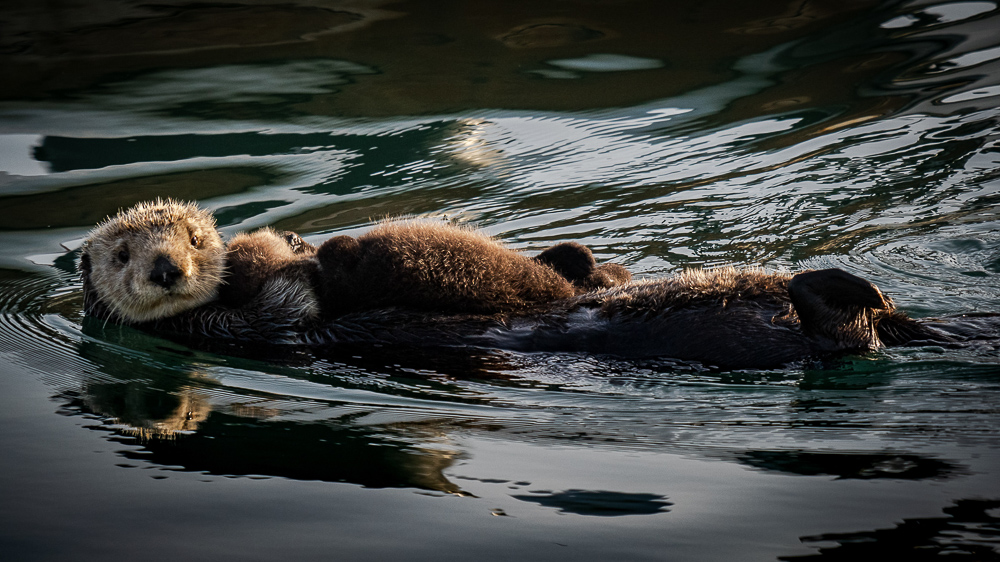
x=153 y=261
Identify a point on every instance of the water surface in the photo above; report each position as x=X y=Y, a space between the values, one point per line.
x=792 y=136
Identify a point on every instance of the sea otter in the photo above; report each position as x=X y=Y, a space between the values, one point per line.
x=446 y=269
x=728 y=318
x=157 y=260
x=428 y=266
x=257 y=258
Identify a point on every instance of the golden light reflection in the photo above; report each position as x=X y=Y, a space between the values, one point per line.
x=141 y=417
x=470 y=144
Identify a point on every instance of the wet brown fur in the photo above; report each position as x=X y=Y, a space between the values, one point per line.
x=727 y=317
x=834 y=308
x=575 y=262
x=716 y=287
x=455 y=285
x=419 y=265
x=430 y=266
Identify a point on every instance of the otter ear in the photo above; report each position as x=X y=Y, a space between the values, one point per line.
x=85 y=267
x=820 y=294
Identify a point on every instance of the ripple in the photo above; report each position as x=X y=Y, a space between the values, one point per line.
x=761 y=169
x=34 y=338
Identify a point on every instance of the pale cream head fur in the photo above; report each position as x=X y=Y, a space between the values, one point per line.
x=123 y=251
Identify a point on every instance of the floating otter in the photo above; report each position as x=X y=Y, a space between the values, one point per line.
x=441 y=268
x=727 y=317
x=257 y=258
x=160 y=259
x=428 y=266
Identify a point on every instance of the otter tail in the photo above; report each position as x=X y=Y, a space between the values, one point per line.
x=957 y=331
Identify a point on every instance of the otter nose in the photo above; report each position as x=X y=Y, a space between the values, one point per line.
x=164 y=273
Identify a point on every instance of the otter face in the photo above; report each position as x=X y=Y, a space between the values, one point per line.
x=154 y=260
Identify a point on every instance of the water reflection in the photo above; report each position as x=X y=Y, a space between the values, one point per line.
x=935 y=14
x=789 y=134
x=713 y=204
x=149 y=412
x=178 y=419
x=229 y=445
x=430 y=59
x=236 y=92
x=600 y=503
x=863 y=466
x=969 y=531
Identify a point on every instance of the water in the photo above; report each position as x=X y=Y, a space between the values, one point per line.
x=791 y=136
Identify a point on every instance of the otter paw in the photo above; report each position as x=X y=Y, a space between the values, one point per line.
x=296 y=243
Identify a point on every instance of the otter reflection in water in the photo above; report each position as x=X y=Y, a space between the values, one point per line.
x=176 y=416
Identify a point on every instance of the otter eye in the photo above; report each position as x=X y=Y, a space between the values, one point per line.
x=123 y=255
x=195 y=241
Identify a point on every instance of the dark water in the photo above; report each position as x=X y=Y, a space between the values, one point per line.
x=663 y=135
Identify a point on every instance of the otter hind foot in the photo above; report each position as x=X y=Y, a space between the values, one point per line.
x=834 y=288
x=296 y=244
x=838 y=308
